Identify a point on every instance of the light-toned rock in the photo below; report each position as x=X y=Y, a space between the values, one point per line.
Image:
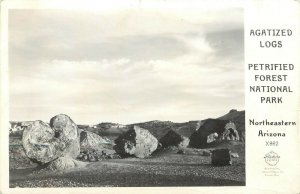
x=64 y=163
x=234 y=155
x=136 y=142
x=67 y=132
x=43 y=143
x=230 y=132
x=212 y=137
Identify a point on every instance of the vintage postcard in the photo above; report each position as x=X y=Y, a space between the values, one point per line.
x=150 y=96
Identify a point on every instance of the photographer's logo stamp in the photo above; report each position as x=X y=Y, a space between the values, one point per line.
x=272 y=158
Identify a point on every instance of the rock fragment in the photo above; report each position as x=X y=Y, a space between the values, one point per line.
x=234 y=155
x=174 y=139
x=212 y=137
x=221 y=157
x=64 y=163
x=136 y=142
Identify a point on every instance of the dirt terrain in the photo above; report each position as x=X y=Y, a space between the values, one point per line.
x=165 y=168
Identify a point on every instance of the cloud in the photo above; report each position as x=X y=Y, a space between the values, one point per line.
x=126 y=66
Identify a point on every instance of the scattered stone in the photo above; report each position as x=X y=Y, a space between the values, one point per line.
x=43 y=143
x=159 y=145
x=234 y=155
x=115 y=156
x=86 y=157
x=206 y=153
x=212 y=137
x=136 y=142
x=64 y=163
x=221 y=157
x=92 y=158
x=94 y=155
x=174 y=139
x=181 y=152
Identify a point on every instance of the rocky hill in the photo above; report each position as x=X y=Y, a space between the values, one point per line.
x=108 y=129
x=156 y=128
x=238 y=117
x=160 y=128
x=231 y=126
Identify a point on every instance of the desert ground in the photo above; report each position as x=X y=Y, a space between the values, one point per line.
x=166 y=166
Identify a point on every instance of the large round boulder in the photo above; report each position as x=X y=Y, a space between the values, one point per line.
x=44 y=143
x=136 y=142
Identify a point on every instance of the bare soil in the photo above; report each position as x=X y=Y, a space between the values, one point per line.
x=164 y=168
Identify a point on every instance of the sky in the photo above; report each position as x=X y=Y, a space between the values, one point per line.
x=127 y=65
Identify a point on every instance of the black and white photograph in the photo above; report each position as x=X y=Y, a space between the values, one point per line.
x=142 y=95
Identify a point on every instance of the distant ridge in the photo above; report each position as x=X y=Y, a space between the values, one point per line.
x=238 y=117
x=159 y=128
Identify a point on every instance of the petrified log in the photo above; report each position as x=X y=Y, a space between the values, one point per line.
x=44 y=143
x=174 y=139
x=221 y=157
x=136 y=142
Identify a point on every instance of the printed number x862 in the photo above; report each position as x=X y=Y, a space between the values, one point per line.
x=271 y=143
